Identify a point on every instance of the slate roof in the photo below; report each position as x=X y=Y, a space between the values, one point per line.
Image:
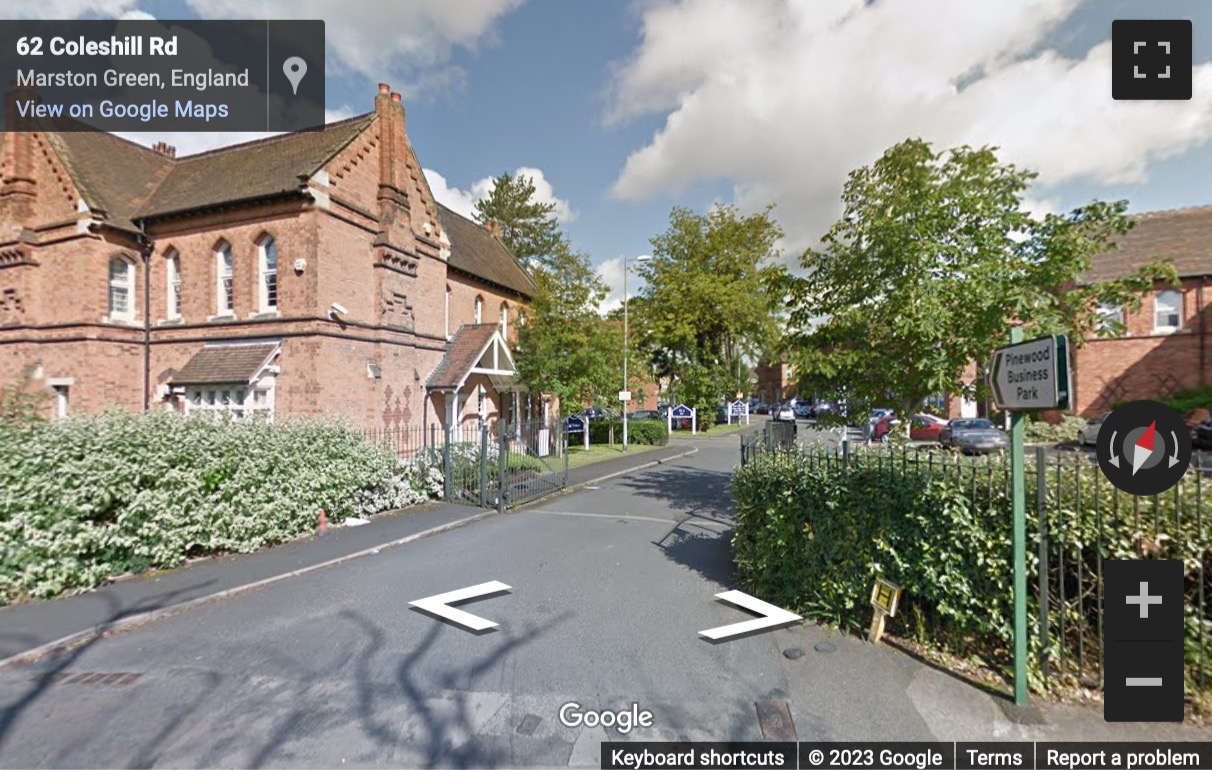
x=126 y=182
x=225 y=364
x=252 y=170
x=462 y=353
x=1182 y=237
x=475 y=251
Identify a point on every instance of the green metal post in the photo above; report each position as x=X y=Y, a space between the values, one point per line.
x=1019 y=504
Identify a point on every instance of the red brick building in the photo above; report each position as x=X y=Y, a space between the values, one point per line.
x=775 y=382
x=1167 y=345
x=302 y=274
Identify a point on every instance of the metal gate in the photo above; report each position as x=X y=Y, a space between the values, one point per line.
x=502 y=465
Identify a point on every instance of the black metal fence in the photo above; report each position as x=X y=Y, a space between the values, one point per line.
x=486 y=463
x=1076 y=521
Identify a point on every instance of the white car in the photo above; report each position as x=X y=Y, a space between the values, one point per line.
x=783 y=413
x=1087 y=435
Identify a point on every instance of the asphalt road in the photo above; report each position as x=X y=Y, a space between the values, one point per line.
x=610 y=587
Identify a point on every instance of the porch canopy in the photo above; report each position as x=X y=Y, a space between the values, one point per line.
x=474 y=349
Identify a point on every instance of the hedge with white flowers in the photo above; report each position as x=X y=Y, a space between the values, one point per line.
x=93 y=497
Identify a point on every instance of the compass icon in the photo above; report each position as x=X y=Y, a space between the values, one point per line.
x=1144 y=448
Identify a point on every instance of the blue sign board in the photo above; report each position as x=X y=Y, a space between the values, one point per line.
x=681 y=410
x=575 y=424
x=738 y=408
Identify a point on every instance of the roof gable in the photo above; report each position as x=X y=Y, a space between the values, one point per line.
x=474 y=349
x=226 y=364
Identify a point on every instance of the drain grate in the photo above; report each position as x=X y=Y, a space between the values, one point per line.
x=529 y=723
x=86 y=677
x=775 y=719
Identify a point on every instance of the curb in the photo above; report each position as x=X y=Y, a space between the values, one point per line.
x=581 y=485
x=82 y=637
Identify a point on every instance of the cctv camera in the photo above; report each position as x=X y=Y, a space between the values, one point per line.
x=337 y=308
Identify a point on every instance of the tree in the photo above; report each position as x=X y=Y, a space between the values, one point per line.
x=712 y=299
x=564 y=346
x=932 y=260
x=528 y=226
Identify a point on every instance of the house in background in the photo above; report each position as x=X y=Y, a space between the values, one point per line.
x=775 y=382
x=1166 y=347
x=303 y=274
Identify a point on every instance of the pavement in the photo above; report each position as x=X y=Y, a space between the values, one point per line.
x=609 y=588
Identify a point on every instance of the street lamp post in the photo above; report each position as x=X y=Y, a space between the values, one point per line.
x=626 y=342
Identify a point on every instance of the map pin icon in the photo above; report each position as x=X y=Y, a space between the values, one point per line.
x=295 y=68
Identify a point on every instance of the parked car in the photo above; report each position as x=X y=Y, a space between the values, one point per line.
x=762 y=408
x=974 y=436
x=820 y=409
x=878 y=414
x=645 y=414
x=1087 y=435
x=784 y=412
x=926 y=427
x=1201 y=434
x=883 y=427
x=802 y=411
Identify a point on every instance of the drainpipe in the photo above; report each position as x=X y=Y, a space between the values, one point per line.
x=146 y=246
x=1203 y=332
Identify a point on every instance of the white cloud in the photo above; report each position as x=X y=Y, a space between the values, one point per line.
x=611 y=272
x=73 y=9
x=464 y=201
x=409 y=44
x=783 y=98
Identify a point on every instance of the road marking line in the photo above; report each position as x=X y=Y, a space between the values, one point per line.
x=609 y=516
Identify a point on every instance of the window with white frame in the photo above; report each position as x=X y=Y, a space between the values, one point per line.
x=268 y=263
x=504 y=320
x=238 y=401
x=121 y=288
x=172 y=265
x=1167 y=311
x=479 y=309
x=1110 y=317
x=224 y=283
x=447 y=311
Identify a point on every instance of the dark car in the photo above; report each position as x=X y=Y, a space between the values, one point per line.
x=645 y=414
x=1201 y=434
x=762 y=408
x=802 y=411
x=974 y=436
x=593 y=413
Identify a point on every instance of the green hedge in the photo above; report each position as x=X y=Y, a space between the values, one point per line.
x=812 y=536
x=653 y=432
x=93 y=497
x=1042 y=432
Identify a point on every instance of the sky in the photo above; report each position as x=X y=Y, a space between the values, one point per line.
x=620 y=110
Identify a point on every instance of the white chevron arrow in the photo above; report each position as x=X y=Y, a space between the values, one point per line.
x=440 y=605
x=771 y=616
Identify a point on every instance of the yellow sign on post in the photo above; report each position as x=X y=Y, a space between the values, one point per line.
x=884 y=598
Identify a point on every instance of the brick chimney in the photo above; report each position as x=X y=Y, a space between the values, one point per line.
x=165 y=149
x=390 y=112
x=493 y=227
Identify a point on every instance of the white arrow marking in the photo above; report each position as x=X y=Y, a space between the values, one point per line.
x=1173 y=458
x=772 y=616
x=440 y=605
x=1114 y=457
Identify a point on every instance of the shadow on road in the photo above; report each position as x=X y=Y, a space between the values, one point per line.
x=51 y=669
x=695 y=491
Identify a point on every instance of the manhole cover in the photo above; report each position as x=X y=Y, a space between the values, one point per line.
x=775 y=720
x=793 y=653
x=529 y=723
x=824 y=647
